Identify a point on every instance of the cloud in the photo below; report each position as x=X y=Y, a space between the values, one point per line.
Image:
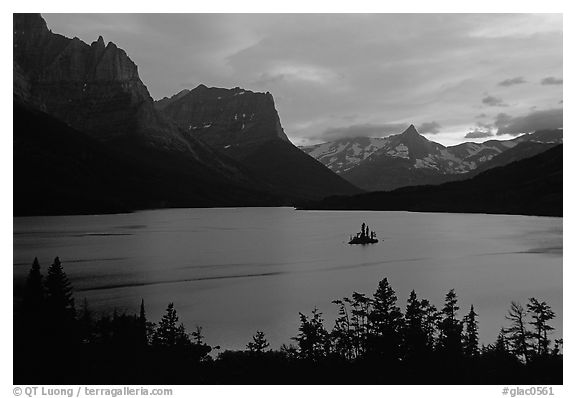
x=512 y=81
x=537 y=120
x=480 y=116
x=429 y=128
x=423 y=67
x=493 y=101
x=550 y=81
x=363 y=130
x=479 y=134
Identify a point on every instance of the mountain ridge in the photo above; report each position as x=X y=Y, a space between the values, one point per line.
x=406 y=159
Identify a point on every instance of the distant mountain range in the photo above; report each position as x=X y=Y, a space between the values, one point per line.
x=530 y=186
x=66 y=88
x=407 y=159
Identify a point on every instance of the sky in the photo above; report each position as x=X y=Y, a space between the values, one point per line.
x=456 y=77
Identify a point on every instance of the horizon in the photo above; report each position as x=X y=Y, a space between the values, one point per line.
x=456 y=77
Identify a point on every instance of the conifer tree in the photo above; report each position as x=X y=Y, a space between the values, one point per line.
x=258 y=344
x=169 y=334
x=59 y=297
x=517 y=333
x=386 y=323
x=541 y=314
x=142 y=326
x=450 y=327
x=313 y=339
x=430 y=319
x=413 y=331
x=34 y=289
x=471 y=334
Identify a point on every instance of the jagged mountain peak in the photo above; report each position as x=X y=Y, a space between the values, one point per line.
x=99 y=43
x=411 y=130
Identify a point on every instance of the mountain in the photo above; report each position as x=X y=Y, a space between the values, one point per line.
x=407 y=159
x=95 y=91
x=60 y=170
x=343 y=154
x=531 y=186
x=245 y=126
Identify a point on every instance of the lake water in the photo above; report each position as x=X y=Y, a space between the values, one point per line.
x=235 y=271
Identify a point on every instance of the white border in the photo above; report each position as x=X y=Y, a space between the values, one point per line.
x=259 y=6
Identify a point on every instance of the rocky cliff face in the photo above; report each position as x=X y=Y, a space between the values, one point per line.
x=226 y=119
x=94 y=88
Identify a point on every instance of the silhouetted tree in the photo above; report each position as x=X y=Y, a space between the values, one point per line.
x=34 y=289
x=385 y=337
x=541 y=314
x=258 y=344
x=450 y=327
x=413 y=331
x=142 y=326
x=430 y=320
x=360 y=308
x=59 y=297
x=313 y=341
x=471 y=334
x=342 y=334
x=517 y=333
x=169 y=334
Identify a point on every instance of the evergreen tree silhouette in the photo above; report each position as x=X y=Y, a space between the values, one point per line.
x=258 y=344
x=313 y=341
x=169 y=334
x=517 y=333
x=471 y=334
x=142 y=326
x=413 y=331
x=385 y=337
x=59 y=297
x=34 y=289
x=541 y=314
x=430 y=320
x=450 y=338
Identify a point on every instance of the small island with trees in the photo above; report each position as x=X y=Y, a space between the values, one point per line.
x=364 y=237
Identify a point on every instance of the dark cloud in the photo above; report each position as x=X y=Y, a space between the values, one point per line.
x=362 y=130
x=537 y=120
x=478 y=134
x=438 y=71
x=493 y=101
x=512 y=81
x=550 y=81
x=429 y=128
x=480 y=116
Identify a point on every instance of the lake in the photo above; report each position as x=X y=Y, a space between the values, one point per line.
x=235 y=271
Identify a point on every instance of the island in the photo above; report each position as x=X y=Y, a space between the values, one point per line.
x=365 y=236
